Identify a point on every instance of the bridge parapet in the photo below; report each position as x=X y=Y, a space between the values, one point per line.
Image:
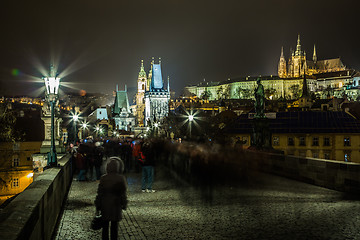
x=34 y=212
x=204 y=163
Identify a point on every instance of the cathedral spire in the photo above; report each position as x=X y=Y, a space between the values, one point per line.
x=314 y=55
x=282 y=65
x=298 y=47
x=142 y=73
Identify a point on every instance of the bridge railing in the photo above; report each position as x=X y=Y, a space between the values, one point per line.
x=202 y=163
x=33 y=214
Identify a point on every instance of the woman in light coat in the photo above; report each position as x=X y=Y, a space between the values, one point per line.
x=111 y=197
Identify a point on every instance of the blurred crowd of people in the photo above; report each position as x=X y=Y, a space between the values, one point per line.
x=90 y=157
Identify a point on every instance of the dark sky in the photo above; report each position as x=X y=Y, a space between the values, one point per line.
x=101 y=43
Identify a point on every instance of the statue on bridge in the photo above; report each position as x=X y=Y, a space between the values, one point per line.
x=261 y=136
x=259 y=100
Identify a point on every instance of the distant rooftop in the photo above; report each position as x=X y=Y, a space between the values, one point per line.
x=303 y=122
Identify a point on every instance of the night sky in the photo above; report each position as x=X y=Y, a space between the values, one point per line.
x=98 y=44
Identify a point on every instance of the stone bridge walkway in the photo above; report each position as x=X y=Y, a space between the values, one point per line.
x=261 y=207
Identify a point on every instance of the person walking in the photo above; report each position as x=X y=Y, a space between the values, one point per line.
x=111 y=197
x=148 y=162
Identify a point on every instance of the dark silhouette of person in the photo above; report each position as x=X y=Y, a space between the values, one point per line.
x=111 y=197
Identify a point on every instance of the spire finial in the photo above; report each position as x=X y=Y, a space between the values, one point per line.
x=282 y=52
x=159 y=60
x=117 y=87
x=298 y=47
x=314 y=55
x=125 y=88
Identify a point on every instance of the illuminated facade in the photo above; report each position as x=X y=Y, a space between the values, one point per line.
x=329 y=135
x=124 y=119
x=298 y=64
x=16 y=167
x=157 y=97
x=142 y=83
x=325 y=79
x=152 y=99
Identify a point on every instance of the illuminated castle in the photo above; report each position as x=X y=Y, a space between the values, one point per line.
x=298 y=65
x=152 y=99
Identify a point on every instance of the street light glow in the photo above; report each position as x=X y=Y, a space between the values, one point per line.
x=52 y=85
x=191 y=117
x=75 y=117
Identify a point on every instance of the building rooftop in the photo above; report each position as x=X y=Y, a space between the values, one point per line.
x=302 y=122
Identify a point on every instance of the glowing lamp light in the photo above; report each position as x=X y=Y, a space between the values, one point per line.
x=84 y=125
x=52 y=85
x=75 y=117
x=30 y=175
x=191 y=117
x=156 y=124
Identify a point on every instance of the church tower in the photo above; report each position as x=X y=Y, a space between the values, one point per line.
x=282 y=65
x=157 y=98
x=140 y=104
x=297 y=62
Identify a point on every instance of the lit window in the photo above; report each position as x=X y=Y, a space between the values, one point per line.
x=347 y=141
x=315 y=141
x=15 y=182
x=276 y=141
x=326 y=141
x=347 y=157
x=16 y=161
x=302 y=141
x=290 y=141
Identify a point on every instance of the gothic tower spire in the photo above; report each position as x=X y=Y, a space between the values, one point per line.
x=298 y=47
x=142 y=73
x=282 y=65
x=314 y=55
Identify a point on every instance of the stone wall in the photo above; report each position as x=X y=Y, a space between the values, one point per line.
x=341 y=176
x=33 y=214
x=200 y=164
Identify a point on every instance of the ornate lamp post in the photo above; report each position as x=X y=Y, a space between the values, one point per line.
x=52 y=87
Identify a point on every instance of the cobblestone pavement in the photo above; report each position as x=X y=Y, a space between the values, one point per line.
x=261 y=207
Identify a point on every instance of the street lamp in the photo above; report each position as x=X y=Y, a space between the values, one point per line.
x=75 y=118
x=190 y=118
x=52 y=87
x=84 y=126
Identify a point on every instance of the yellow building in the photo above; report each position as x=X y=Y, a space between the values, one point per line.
x=16 y=167
x=321 y=134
